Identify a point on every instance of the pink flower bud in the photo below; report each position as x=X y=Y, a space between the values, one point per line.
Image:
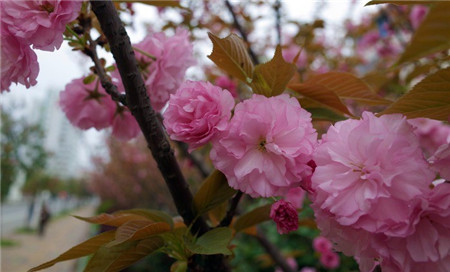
x=285 y=215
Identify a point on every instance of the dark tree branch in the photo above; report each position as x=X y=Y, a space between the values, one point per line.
x=109 y=87
x=273 y=252
x=241 y=31
x=277 y=8
x=232 y=210
x=139 y=105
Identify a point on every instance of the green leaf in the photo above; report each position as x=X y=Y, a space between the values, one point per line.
x=400 y=2
x=348 y=86
x=429 y=98
x=433 y=34
x=213 y=242
x=134 y=254
x=89 y=79
x=105 y=256
x=213 y=192
x=253 y=217
x=137 y=230
x=154 y=215
x=320 y=95
x=86 y=248
x=271 y=78
x=230 y=54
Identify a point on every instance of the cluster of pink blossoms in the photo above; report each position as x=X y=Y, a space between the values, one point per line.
x=25 y=23
x=372 y=196
x=164 y=74
x=89 y=106
x=264 y=150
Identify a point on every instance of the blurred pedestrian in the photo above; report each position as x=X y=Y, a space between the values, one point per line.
x=44 y=218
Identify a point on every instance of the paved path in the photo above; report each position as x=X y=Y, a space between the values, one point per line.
x=60 y=235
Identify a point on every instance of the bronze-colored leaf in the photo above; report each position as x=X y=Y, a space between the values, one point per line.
x=105 y=256
x=114 y=220
x=213 y=192
x=320 y=95
x=429 y=98
x=348 y=86
x=86 y=248
x=231 y=55
x=138 y=230
x=153 y=215
x=271 y=78
x=433 y=34
x=253 y=217
x=134 y=254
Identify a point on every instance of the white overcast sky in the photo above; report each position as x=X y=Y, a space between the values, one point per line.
x=60 y=67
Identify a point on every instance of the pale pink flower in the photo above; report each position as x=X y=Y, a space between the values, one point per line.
x=296 y=196
x=368 y=40
x=432 y=134
x=18 y=62
x=440 y=161
x=40 y=23
x=87 y=105
x=322 y=244
x=369 y=173
x=285 y=216
x=308 y=269
x=227 y=83
x=417 y=15
x=330 y=260
x=124 y=125
x=165 y=74
x=267 y=146
x=197 y=113
x=428 y=248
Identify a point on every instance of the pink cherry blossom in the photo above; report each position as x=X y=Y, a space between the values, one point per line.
x=165 y=74
x=40 y=23
x=417 y=15
x=296 y=196
x=285 y=215
x=87 y=105
x=18 y=62
x=330 y=260
x=432 y=134
x=428 y=248
x=226 y=83
x=197 y=112
x=308 y=269
x=124 y=125
x=267 y=146
x=322 y=244
x=440 y=161
x=369 y=173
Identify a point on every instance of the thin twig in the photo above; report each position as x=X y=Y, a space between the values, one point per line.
x=109 y=87
x=231 y=211
x=241 y=31
x=277 y=8
x=274 y=252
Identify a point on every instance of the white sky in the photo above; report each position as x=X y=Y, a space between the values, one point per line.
x=60 y=67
